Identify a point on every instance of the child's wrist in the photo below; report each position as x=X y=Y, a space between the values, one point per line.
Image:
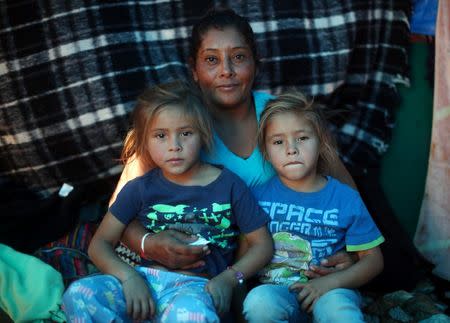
x=227 y=278
x=130 y=277
x=237 y=277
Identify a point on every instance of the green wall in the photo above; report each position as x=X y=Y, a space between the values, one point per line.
x=404 y=166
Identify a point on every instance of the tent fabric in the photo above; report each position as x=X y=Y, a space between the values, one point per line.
x=70 y=73
x=30 y=290
x=432 y=237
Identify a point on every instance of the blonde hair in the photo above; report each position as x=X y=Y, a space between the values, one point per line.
x=155 y=99
x=296 y=102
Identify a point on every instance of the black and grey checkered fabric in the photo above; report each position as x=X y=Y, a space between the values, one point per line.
x=71 y=70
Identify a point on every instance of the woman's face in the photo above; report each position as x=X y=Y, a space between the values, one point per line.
x=224 y=69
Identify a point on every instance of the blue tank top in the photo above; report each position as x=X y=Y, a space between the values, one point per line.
x=253 y=170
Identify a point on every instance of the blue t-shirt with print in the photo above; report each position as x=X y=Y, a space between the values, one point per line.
x=218 y=211
x=307 y=227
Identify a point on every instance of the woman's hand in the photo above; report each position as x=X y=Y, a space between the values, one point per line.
x=140 y=305
x=172 y=249
x=339 y=261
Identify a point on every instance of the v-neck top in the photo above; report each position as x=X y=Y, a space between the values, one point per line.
x=253 y=170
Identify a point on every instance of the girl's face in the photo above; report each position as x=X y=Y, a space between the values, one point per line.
x=224 y=69
x=174 y=144
x=293 y=149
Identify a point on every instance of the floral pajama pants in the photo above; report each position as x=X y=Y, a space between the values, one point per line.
x=178 y=298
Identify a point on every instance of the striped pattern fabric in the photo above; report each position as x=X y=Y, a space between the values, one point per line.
x=70 y=72
x=69 y=255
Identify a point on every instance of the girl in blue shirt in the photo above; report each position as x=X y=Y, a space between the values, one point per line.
x=313 y=216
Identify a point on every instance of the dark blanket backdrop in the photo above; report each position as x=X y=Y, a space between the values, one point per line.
x=71 y=70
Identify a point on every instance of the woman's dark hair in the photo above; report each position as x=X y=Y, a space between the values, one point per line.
x=221 y=18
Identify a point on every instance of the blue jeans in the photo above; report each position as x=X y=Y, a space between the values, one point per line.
x=275 y=303
x=178 y=298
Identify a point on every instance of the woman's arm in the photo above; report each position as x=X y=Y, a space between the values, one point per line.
x=169 y=247
x=369 y=265
x=132 y=169
x=172 y=249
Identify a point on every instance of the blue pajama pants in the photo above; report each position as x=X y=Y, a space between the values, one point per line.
x=178 y=298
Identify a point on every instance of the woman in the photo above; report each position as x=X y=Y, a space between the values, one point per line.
x=223 y=61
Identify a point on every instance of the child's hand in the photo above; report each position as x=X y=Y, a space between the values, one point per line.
x=221 y=290
x=309 y=292
x=140 y=305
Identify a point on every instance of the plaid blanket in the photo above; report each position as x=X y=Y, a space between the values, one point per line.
x=71 y=70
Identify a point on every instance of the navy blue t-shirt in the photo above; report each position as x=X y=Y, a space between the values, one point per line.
x=218 y=211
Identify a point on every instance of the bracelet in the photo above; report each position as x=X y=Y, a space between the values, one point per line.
x=239 y=275
x=142 y=244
